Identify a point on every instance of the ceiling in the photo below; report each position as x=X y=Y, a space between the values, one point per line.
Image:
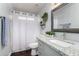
x=29 y=7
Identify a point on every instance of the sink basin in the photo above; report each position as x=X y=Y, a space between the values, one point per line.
x=60 y=43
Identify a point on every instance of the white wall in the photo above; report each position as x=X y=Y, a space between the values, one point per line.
x=68 y=14
x=47 y=9
x=4 y=11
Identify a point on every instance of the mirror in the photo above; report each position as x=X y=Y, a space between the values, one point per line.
x=66 y=18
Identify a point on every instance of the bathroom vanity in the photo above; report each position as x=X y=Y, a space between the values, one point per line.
x=46 y=50
x=54 y=47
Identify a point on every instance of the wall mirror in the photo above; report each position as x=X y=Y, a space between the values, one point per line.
x=65 y=18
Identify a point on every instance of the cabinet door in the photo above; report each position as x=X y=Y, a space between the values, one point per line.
x=40 y=48
x=50 y=51
x=45 y=50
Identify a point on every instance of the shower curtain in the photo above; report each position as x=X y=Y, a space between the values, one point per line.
x=24 y=33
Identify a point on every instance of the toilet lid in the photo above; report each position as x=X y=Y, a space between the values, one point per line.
x=33 y=45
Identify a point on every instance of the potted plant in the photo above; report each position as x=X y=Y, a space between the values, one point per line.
x=45 y=17
x=44 y=20
x=50 y=33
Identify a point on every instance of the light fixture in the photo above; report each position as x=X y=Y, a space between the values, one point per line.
x=26 y=18
x=30 y=18
x=22 y=18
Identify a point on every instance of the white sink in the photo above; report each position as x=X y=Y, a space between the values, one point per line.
x=60 y=43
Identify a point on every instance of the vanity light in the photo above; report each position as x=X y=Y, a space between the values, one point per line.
x=22 y=18
x=26 y=18
x=30 y=18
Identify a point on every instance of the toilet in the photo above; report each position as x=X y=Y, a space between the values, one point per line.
x=34 y=47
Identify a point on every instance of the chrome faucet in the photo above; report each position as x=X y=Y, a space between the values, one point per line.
x=65 y=26
x=64 y=35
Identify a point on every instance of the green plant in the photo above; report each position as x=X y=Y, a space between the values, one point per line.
x=44 y=20
x=45 y=17
x=50 y=33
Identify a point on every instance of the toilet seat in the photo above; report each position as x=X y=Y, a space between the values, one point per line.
x=33 y=45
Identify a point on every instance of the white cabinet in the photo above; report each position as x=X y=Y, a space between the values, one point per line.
x=45 y=50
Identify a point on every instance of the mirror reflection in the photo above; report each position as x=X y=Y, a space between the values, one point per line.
x=66 y=17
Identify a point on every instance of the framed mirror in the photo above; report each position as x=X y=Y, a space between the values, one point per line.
x=65 y=18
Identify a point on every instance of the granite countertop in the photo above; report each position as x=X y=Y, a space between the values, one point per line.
x=72 y=50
